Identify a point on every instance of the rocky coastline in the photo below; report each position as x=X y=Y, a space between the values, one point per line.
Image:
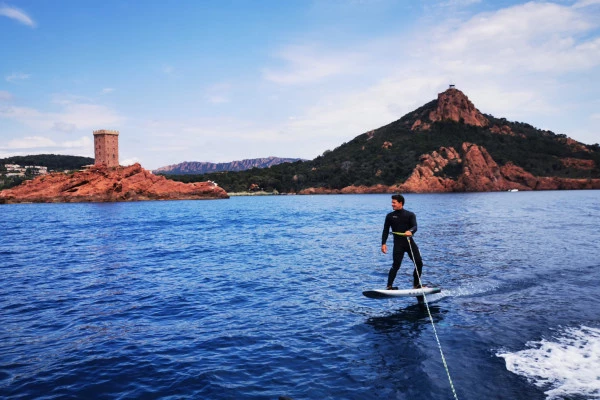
x=104 y=184
x=478 y=172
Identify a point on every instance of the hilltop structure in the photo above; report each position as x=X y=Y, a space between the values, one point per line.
x=106 y=148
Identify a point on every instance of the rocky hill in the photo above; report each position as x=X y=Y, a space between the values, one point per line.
x=196 y=167
x=102 y=184
x=445 y=145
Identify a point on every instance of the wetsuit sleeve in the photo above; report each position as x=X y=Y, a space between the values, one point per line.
x=386 y=230
x=413 y=223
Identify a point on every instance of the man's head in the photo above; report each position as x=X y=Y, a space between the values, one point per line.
x=397 y=202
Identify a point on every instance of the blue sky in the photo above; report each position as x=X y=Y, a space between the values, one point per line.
x=227 y=80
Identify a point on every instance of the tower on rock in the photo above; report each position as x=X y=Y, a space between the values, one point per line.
x=106 y=148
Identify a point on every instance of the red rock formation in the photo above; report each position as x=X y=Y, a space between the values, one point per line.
x=574 y=144
x=375 y=189
x=423 y=177
x=102 y=184
x=479 y=173
x=504 y=130
x=578 y=163
x=455 y=106
x=420 y=126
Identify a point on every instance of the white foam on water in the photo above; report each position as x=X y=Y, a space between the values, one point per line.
x=470 y=290
x=568 y=365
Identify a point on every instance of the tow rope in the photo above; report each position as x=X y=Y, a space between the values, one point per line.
x=437 y=339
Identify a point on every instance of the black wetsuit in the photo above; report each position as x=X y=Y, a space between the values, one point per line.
x=402 y=221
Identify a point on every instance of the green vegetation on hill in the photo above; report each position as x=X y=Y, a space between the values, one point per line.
x=369 y=160
x=54 y=162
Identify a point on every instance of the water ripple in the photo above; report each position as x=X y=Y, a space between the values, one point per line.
x=257 y=298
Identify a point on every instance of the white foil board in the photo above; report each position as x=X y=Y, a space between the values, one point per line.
x=386 y=294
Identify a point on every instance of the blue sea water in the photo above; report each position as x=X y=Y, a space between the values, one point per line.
x=260 y=297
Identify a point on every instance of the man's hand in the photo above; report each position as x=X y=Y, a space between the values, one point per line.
x=408 y=233
x=384 y=248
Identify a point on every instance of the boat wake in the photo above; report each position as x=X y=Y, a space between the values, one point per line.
x=565 y=366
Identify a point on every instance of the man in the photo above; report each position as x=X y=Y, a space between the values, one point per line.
x=404 y=225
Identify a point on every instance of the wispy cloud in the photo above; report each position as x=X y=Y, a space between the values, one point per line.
x=31 y=142
x=82 y=142
x=510 y=62
x=458 y=3
x=218 y=93
x=5 y=96
x=108 y=90
x=586 y=3
x=72 y=117
x=16 y=14
x=129 y=161
x=530 y=37
x=309 y=64
x=64 y=127
x=17 y=76
x=39 y=144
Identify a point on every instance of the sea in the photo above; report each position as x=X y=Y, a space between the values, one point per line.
x=261 y=298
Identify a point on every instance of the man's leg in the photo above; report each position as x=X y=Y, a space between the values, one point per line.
x=398 y=255
x=417 y=272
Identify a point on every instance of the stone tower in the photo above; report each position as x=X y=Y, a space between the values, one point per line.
x=106 y=147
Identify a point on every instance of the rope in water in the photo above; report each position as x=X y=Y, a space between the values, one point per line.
x=431 y=319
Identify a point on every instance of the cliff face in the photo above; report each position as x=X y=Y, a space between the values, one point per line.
x=471 y=169
x=102 y=184
x=480 y=173
x=452 y=105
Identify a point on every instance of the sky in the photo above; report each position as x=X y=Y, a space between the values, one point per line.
x=225 y=80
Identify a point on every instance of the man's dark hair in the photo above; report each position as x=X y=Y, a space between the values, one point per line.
x=398 y=197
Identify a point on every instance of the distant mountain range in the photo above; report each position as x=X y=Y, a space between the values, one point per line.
x=197 y=167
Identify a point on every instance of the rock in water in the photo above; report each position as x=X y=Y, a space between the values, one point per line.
x=103 y=184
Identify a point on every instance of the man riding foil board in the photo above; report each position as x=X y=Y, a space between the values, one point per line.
x=403 y=224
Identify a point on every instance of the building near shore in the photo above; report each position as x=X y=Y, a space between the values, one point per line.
x=106 y=147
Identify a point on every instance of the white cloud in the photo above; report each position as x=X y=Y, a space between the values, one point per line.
x=308 y=64
x=586 y=3
x=540 y=37
x=16 y=14
x=31 y=142
x=218 y=93
x=64 y=127
x=17 y=76
x=509 y=62
x=458 y=3
x=108 y=90
x=83 y=142
x=5 y=96
x=90 y=116
x=20 y=113
x=40 y=144
x=72 y=117
x=129 y=161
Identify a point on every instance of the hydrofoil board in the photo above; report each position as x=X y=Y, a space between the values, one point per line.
x=386 y=294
